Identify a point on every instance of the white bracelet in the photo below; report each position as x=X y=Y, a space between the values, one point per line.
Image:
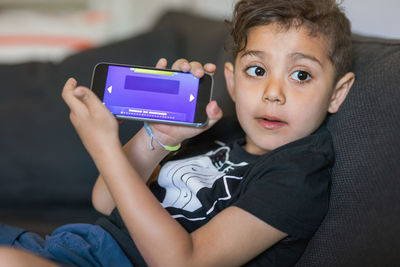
x=150 y=133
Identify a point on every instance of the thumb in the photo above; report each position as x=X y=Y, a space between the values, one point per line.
x=214 y=113
x=81 y=93
x=87 y=97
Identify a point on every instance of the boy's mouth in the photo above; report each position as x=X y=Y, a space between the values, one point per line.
x=271 y=123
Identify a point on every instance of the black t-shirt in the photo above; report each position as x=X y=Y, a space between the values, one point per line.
x=288 y=188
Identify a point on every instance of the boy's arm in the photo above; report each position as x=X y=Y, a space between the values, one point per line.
x=141 y=158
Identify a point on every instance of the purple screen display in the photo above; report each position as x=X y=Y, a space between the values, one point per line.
x=151 y=94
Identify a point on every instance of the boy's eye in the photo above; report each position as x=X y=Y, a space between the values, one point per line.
x=255 y=71
x=301 y=76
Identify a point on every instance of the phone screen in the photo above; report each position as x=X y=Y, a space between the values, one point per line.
x=151 y=94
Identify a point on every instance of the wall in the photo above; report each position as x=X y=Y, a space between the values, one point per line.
x=23 y=32
x=370 y=17
x=134 y=16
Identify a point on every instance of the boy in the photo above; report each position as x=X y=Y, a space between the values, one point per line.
x=257 y=201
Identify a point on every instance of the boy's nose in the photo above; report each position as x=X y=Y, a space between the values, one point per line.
x=273 y=93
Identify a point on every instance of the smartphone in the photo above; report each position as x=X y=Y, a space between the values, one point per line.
x=155 y=95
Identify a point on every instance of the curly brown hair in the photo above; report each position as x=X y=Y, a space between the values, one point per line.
x=321 y=17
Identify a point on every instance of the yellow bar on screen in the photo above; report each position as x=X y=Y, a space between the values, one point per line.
x=158 y=72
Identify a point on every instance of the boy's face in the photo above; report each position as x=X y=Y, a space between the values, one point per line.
x=283 y=86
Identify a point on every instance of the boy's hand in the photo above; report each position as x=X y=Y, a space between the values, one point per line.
x=172 y=134
x=96 y=126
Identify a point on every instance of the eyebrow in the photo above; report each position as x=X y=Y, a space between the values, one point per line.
x=256 y=53
x=298 y=55
x=294 y=56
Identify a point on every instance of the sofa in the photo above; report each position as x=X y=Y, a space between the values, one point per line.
x=46 y=176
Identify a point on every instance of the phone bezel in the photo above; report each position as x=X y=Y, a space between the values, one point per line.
x=206 y=84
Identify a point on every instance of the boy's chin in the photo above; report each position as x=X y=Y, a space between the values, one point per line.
x=272 y=143
x=260 y=148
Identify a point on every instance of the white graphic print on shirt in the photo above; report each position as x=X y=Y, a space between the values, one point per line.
x=182 y=179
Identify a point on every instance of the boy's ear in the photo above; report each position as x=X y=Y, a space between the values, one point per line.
x=340 y=92
x=230 y=79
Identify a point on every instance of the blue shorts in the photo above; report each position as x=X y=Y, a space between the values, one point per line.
x=69 y=245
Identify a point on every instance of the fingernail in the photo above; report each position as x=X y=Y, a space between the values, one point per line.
x=72 y=81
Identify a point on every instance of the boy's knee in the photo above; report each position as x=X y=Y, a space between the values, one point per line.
x=10 y=257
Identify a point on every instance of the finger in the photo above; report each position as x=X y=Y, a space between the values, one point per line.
x=210 y=68
x=161 y=63
x=89 y=99
x=182 y=65
x=69 y=86
x=197 y=69
x=68 y=95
